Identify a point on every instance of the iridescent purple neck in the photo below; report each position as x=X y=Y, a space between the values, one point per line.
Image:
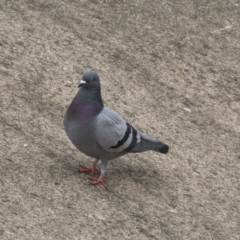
x=85 y=105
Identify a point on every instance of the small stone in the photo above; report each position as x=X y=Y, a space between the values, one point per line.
x=187 y=109
x=173 y=210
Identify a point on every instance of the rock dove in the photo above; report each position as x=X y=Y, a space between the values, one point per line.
x=100 y=132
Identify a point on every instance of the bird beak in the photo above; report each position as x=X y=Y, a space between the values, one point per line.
x=82 y=82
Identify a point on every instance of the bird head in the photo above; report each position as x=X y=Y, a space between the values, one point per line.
x=89 y=80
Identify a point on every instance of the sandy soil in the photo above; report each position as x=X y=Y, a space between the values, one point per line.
x=171 y=68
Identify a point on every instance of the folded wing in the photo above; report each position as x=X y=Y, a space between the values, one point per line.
x=114 y=134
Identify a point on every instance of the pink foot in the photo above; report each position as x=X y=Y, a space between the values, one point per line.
x=91 y=169
x=99 y=180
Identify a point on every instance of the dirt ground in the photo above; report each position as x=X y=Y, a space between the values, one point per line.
x=171 y=68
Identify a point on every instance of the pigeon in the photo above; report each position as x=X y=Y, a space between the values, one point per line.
x=100 y=132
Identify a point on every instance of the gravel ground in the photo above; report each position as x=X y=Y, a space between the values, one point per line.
x=171 y=69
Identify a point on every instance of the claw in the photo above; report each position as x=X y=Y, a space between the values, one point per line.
x=91 y=169
x=99 y=180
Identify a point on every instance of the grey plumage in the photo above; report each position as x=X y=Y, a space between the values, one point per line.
x=100 y=132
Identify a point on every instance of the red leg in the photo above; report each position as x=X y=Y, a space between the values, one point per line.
x=99 y=180
x=91 y=169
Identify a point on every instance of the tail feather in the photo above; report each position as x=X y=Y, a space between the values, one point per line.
x=147 y=143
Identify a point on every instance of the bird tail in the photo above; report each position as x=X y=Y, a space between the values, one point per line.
x=147 y=143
